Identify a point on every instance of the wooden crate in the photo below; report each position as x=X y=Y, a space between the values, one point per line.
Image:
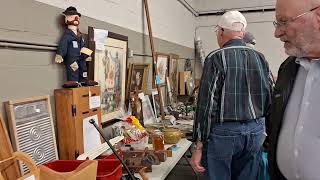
x=72 y=106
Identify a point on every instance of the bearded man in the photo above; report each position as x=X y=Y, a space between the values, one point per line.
x=293 y=126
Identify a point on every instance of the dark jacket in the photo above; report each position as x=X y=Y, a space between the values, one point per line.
x=69 y=47
x=282 y=91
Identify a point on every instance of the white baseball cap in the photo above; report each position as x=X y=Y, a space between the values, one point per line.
x=233 y=20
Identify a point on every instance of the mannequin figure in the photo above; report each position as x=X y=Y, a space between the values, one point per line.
x=72 y=51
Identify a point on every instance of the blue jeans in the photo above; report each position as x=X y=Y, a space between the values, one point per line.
x=232 y=151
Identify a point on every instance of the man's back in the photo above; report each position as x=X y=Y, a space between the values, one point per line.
x=242 y=82
x=233 y=99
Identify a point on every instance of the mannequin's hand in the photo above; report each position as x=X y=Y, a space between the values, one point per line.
x=86 y=51
x=89 y=59
x=58 y=59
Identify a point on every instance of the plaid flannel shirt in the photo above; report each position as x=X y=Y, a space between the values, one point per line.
x=236 y=85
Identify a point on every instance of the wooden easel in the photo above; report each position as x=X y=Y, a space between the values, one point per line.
x=154 y=57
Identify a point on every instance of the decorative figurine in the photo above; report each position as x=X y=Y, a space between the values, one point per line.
x=136 y=105
x=72 y=51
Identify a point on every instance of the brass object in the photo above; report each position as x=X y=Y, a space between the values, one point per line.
x=172 y=135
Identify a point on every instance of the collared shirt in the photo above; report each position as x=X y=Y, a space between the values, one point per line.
x=235 y=86
x=299 y=141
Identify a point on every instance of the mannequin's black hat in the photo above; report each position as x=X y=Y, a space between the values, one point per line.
x=71 y=11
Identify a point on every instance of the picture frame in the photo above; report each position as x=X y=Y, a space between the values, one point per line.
x=155 y=103
x=138 y=77
x=169 y=92
x=174 y=76
x=156 y=100
x=164 y=94
x=190 y=85
x=162 y=68
x=108 y=68
x=148 y=112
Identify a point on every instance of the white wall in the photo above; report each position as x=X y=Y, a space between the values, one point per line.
x=215 y=5
x=170 y=20
x=260 y=24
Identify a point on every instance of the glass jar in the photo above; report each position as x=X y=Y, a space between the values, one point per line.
x=158 y=140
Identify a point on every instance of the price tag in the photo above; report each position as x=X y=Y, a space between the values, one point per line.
x=94 y=102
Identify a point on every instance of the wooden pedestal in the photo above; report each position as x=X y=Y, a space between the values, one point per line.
x=72 y=107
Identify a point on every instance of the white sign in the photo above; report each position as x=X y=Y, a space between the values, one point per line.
x=91 y=136
x=94 y=102
x=100 y=38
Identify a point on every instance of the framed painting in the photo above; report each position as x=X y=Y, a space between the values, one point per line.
x=164 y=94
x=156 y=103
x=174 y=76
x=162 y=68
x=138 y=77
x=108 y=68
x=156 y=100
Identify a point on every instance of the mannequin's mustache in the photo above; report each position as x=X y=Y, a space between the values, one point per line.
x=73 y=22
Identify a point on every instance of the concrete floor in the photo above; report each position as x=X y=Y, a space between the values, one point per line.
x=183 y=171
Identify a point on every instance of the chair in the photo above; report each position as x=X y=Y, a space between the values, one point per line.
x=26 y=159
x=85 y=171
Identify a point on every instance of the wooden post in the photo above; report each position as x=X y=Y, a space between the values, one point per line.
x=153 y=57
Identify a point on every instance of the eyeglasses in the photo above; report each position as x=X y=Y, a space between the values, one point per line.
x=278 y=24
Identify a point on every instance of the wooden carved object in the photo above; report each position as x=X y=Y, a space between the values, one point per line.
x=137 y=159
x=136 y=105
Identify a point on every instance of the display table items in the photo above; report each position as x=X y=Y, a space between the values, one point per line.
x=161 y=171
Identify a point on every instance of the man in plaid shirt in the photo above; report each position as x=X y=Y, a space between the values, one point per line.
x=234 y=98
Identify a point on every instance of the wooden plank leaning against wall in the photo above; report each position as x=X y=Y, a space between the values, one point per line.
x=6 y=151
